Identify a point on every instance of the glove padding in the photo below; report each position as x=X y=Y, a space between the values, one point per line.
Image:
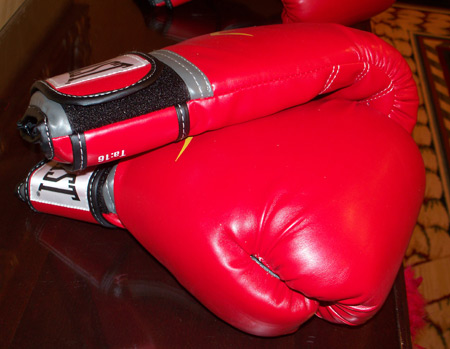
x=138 y=102
x=267 y=223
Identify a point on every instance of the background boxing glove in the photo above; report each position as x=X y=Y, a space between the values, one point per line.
x=267 y=223
x=346 y=12
x=138 y=102
x=168 y=3
x=202 y=17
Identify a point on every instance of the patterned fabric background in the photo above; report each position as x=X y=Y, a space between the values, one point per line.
x=422 y=35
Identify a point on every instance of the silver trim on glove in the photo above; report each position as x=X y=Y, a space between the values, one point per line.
x=196 y=81
x=108 y=191
x=58 y=123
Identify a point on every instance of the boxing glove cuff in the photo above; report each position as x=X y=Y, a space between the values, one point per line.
x=62 y=108
x=86 y=196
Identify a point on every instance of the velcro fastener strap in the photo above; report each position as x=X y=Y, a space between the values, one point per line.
x=116 y=90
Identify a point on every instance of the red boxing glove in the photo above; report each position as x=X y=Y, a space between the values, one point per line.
x=138 y=102
x=345 y=12
x=267 y=223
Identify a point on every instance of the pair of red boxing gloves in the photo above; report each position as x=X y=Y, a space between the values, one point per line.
x=270 y=169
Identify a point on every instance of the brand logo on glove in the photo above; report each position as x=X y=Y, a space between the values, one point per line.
x=96 y=69
x=99 y=75
x=65 y=187
x=52 y=185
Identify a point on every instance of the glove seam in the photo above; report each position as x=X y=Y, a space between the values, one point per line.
x=333 y=75
x=280 y=79
x=382 y=93
x=390 y=74
x=81 y=151
x=47 y=132
x=375 y=96
x=364 y=72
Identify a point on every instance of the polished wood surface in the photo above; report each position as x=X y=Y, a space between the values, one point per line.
x=69 y=284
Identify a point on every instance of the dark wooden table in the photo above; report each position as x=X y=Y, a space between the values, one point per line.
x=68 y=284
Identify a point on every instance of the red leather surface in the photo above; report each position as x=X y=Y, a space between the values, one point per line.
x=344 y=12
x=178 y=2
x=262 y=70
x=64 y=211
x=132 y=136
x=122 y=139
x=325 y=195
x=62 y=149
